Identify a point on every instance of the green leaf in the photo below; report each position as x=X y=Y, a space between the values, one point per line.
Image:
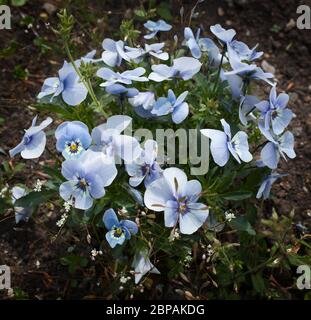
x=74 y=262
x=258 y=283
x=242 y=224
x=164 y=11
x=237 y=195
x=54 y=173
x=33 y=199
x=3 y=205
x=18 y=3
x=54 y=108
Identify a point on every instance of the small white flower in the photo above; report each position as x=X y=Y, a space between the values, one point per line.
x=188 y=259
x=229 y=216
x=4 y=190
x=95 y=253
x=38 y=264
x=62 y=220
x=67 y=205
x=123 y=211
x=38 y=186
x=210 y=250
x=88 y=238
x=123 y=280
x=174 y=235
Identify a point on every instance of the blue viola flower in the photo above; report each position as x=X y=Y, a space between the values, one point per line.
x=73 y=138
x=172 y=105
x=199 y=45
x=33 y=142
x=21 y=214
x=145 y=167
x=177 y=197
x=244 y=52
x=274 y=111
x=184 y=67
x=247 y=105
x=145 y=100
x=235 y=83
x=136 y=195
x=155 y=50
x=143 y=266
x=87 y=178
x=119 y=231
x=276 y=147
x=125 y=77
x=223 y=35
x=143 y=104
x=266 y=185
x=246 y=71
x=108 y=140
x=88 y=58
x=67 y=84
x=240 y=48
x=114 y=52
x=122 y=91
x=193 y=42
x=161 y=72
x=155 y=27
x=222 y=144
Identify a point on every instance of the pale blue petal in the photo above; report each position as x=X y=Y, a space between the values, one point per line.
x=192 y=220
x=281 y=121
x=282 y=100
x=66 y=190
x=241 y=146
x=177 y=180
x=35 y=147
x=171 y=214
x=157 y=194
x=180 y=113
x=19 y=148
x=126 y=147
x=193 y=190
x=71 y=168
x=270 y=155
x=110 y=219
x=130 y=225
x=112 y=240
x=287 y=144
x=194 y=48
x=219 y=148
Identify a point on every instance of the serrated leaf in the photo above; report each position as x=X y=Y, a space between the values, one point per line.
x=33 y=199
x=242 y=224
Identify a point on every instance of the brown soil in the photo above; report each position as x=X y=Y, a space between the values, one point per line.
x=265 y=22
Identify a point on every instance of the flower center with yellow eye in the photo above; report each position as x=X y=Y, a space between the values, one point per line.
x=82 y=184
x=182 y=205
x=118 y=232
x=73 y=147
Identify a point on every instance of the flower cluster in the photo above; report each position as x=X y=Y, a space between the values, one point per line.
x=162 y=93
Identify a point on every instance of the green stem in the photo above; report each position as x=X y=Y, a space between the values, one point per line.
x=219 y=70
x=87 y=83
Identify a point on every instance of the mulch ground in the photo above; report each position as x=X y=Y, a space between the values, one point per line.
x=28 y=247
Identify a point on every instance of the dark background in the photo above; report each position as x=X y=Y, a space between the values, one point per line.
x=28 y=55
